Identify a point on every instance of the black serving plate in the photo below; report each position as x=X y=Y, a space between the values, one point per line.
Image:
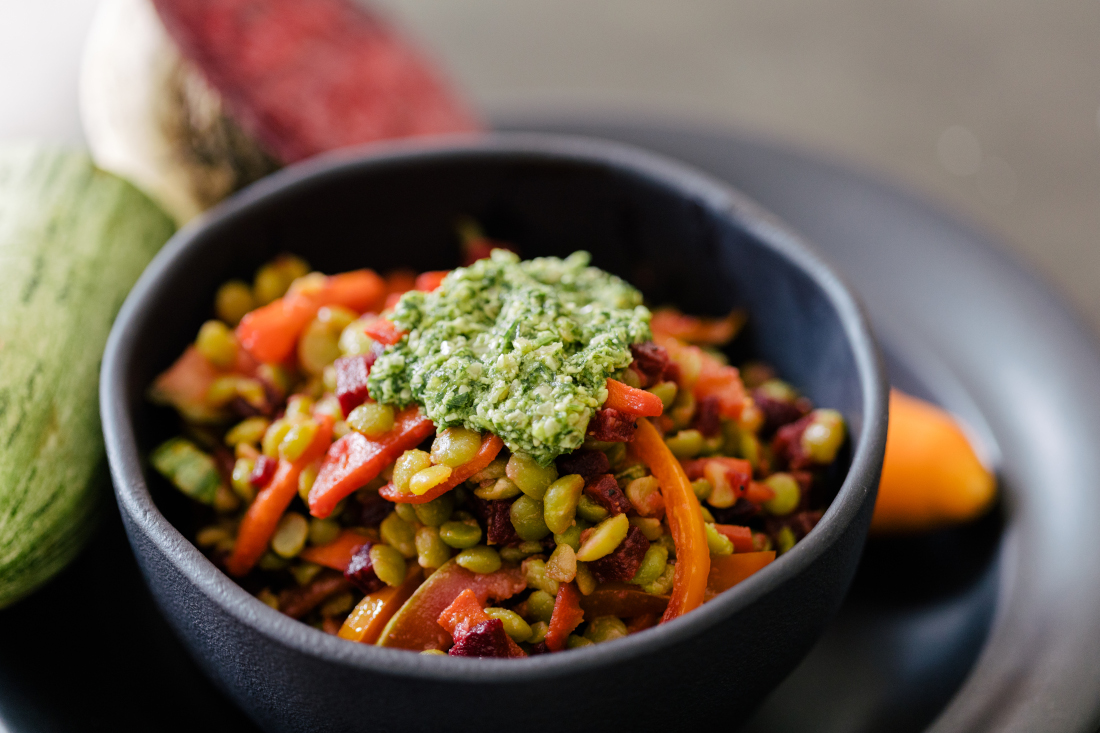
x=994 y=626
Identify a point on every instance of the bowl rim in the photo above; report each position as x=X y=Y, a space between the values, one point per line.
x=135 y=500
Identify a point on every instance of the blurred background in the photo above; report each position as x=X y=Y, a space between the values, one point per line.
x=990 y=106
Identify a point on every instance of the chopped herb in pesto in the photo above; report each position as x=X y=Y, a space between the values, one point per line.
x=520 y=349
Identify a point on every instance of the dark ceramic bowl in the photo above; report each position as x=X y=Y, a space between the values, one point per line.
x=678 y=235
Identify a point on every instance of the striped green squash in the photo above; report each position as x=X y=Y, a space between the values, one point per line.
x=73 y=239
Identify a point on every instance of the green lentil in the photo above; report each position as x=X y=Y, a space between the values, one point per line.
x=650 y=526
x=406 y=512
x=663 y=584
x=750 y=449
x=388 y=563
x=306 y=479
x=480 y=559
x=274 y=435
x=666 y=541
x=702 y=489
x=605 y=628
x=431 y=551
x=586 y=582
x=425 y=479
x=435 y=512
x=241 y=480
x=217 y=344
x=589 y=510
x=784 y=540
x=562 y=565
x=683 y=409
x=338 y=605
x=707 y=516
x=249 y=431
x=371 y=419
x=787 y=494
x=212 y=535
x=353 y=341
x=398 y=534
x=514 y=625
x=460 y=534
x=666 y=391
x=653 y=564
x=434 y=653
x=323 y=531
x=630 y=378
x=271 y=562
x=501 y=488
x=629 y=473
x=540 y=606
x=304 y=572
x=534 y=571
x=572 y=536
x=531 y=478
x=298 y=407
x=824 y=435
x=539 y=630
x=268 y=598
x=455 y=446
x=576 y=642
x=616 y=454
x=645 y=495
x=232 y=301
x=526 y=516
x=493 y=471
x=290 y=535
x=604 y=538
x=274 y=278
x=297 y=439
x=685 y=444
x=408 y=465
x=560 y=502
x=717 y=543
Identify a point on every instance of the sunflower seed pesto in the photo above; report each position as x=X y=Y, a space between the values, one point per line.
x=520 y=349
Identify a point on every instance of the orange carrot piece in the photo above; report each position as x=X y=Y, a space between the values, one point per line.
x=727 y=571
x=267 y=509
x=490 y=447
x=354 y=460
x=624 y=398
x=567 y=616
x=366 y=621
x=685 y=521
x=741 y=537
x=336 y=554
x=429 y=281
x=270 y=332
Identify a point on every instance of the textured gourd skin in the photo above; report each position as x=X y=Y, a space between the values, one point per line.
x=73 y=239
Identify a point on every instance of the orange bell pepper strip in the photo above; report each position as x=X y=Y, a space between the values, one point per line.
x=623 y=600
x=355 y=459
x=727 y=571
x=685 y=520
x=705 y=376
x=567 y=615
x=366 y=621
x=384 y=331
x=695 y=329
x=741 y=537
x=270 y=332
x=263 y=515
x=336 y=554
x=931 y=476
x=429 y=281
x=464 y=614
x=624 y=398
x=490 y=447
x=758 y=492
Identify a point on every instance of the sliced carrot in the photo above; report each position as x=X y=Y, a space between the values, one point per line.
x=270 y=332
x=741 y=537
x=263 y=515
x=336 y=554
x=490 y=447
x=685 y=520
x=464 y=614
x=383 y=331
x=567 y=615
x=624 y=398
x=354 y=460
x=429 y=281
x=366 y=621
x=727 y=571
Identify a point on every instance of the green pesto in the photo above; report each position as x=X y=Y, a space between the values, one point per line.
x=520 y=349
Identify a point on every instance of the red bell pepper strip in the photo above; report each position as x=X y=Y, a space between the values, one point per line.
x=624 y=398
x=384 y=331
x=336 y=554
x=729 y=570
x=429 y=281
x=685 y=520
x=464 y=614
x=741 y=537
x=758 y=492
x=354 y=460
x=567 y=615
x=263 y=515
x=490 y=447
x=270 y=332
x=623 y=600
x=366 y=621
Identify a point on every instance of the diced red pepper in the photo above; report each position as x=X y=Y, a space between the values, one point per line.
x=567 y=615
x=738 y=471
x=429 y=281
x=637 y=402
x=490 y=447
x=351 y=380
x=384 y=331
x=741 y=537
x=758 y=493
x=465 y=617
x=354 y=460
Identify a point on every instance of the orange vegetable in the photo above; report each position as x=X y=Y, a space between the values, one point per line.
x=685 y=520
x=464 y=614
x=695 y=329
x=263 y=515
x=355 y=459
x=336 y=554
x=490 y=447
x=429 y=281
x=366 y=621
x=624 y=398
x=400 y=281
x=727 y=571
x=383 y=331
x=270 y=332
x=705 y=376
x=741 y=537
x=931 y=476
x=758 y=492
x=623 y=600
x=567 y=616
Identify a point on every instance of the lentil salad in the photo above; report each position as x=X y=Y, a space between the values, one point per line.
x=344 y=487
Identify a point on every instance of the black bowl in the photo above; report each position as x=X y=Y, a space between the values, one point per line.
x=678 y=235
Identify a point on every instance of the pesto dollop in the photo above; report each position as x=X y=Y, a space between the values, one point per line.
x=520 y=349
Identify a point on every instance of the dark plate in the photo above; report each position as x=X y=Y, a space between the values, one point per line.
x=992 y=627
